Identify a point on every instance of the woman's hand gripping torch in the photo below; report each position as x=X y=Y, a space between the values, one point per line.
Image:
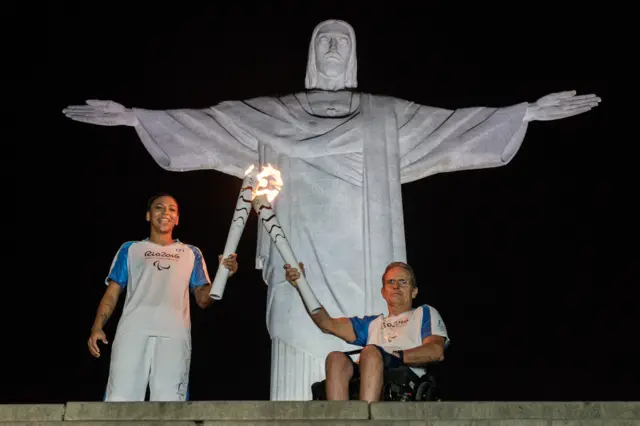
x=238 y=222
x=269 y=185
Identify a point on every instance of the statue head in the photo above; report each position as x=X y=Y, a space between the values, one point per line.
x=332 y=63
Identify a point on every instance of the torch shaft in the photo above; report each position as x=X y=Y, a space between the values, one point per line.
x=238 y=222
x=270 y=221
x=309 y=298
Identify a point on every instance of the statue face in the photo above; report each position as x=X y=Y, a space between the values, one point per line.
x=333 y=46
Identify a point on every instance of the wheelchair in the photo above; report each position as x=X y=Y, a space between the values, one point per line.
x=399 y=384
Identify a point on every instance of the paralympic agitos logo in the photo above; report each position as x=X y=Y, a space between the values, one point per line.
x=161 y=255
x=159 y=266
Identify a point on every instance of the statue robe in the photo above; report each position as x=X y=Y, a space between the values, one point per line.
x=341 y=202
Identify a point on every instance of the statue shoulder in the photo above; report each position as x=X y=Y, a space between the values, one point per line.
x=388 y=100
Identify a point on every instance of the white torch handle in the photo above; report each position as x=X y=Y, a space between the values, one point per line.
x=222 y=274
x=307 y=294
x=219 y=283
x=238 y=222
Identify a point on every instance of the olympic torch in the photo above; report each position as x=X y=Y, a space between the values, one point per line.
x=269 y=185
x=238 y=222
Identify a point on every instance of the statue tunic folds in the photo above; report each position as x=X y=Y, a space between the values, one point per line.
x=343 y=157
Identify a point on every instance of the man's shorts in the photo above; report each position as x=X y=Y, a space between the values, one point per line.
x=138 y=360
x=388 y=362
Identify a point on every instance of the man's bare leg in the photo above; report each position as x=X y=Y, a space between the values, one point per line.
x=339 y=372
x=371 y=374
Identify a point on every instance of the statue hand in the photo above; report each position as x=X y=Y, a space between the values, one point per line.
x=102 y=113
x=560 y=105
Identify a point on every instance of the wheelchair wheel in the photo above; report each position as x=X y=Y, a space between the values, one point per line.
x=396 y=392
x=425 y=392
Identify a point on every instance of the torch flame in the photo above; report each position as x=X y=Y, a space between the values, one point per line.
x=269 y=183
x=251 y=167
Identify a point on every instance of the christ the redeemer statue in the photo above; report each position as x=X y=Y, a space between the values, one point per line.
x=343 y=157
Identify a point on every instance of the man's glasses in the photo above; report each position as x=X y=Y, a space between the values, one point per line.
x=401 y=282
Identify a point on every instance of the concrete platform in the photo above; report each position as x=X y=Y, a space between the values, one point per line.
x=321 y=413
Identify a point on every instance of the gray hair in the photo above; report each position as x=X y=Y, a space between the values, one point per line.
x=351 y=73
x=406 y=267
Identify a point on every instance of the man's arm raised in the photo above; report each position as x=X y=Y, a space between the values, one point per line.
x=339 y=327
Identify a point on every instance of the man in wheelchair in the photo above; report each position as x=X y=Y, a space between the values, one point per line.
x=395 y=350
x=398 y=383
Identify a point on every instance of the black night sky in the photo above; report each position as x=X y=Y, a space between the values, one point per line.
x=513 y=258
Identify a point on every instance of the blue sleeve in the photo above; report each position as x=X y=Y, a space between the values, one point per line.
x=432 y=324
x=119 y=271
x=199 y=274
x=361 y=329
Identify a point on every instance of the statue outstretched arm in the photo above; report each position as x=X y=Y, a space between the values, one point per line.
x=435 y=140
x=180 y=139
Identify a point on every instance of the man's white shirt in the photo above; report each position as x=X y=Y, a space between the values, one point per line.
x=400 y=332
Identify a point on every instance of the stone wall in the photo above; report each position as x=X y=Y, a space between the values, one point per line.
x=321 y=413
